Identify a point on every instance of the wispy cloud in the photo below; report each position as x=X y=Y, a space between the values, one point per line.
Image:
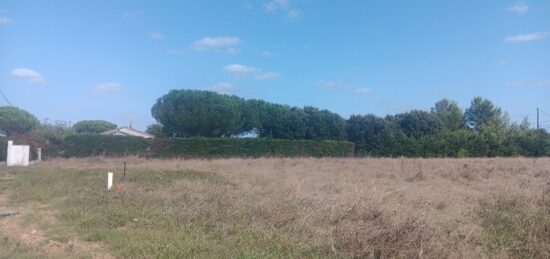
x=28 y=75
x=222 y=87
x=267 y=75
x=267 y=54
x=105 y=88
x=538 y=83
x=224 y=43
x=363 y=90
x=519 y=8
x=340 y=86
x=283 y=6
x=174 y=52
x=242 y=71
x=156 y=36
x=4 y=20
x=504 y=62
x=527 y=37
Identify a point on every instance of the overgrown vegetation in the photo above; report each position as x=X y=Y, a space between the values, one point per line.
x=283 y=208
x=85 y=145
x=211 y=121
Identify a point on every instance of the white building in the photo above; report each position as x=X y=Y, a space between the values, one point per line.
x=127 y=131
x=18 y=155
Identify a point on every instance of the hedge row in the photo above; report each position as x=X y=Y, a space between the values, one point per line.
x=231 y=147
x=84 y=145
x=96 y=145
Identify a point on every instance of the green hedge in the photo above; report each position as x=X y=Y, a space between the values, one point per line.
x=231 y=147
x=84 y=145
x=95 y=145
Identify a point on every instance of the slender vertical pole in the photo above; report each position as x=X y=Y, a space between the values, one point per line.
x=537 y=118
x=109 y=180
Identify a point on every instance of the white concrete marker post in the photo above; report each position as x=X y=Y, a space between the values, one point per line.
x=109 y=180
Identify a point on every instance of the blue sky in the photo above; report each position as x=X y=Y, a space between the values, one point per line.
x=75 y=60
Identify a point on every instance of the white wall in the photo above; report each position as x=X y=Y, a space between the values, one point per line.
x=17 y=155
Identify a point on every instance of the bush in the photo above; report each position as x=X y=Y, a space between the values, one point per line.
x=100 y=145
x=96 y=145
x=232 y=147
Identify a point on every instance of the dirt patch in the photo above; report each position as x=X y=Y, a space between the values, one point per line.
x=32 y=235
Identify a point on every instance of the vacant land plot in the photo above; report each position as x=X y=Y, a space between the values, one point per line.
x=257 y=208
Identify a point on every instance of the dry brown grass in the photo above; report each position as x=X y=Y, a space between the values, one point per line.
x=361 y=207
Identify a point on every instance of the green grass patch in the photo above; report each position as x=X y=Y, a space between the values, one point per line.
x=170 y=214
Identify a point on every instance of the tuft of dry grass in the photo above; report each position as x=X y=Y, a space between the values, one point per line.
x=303 y=207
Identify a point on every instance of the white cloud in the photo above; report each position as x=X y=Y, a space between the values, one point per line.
x=222 y=87
x=239 y=69
x=156 y=36
x=363 y=90
x=246 y=71
x=275 y=5
x=267 y=75
x=267 y=54
x=5 y=20
x=28 y=75
x=527 y=37
x=539 y=83
x=224 y=43
x=519 y=8
x=293 y=15
x=504 y=62
x=283 y=6
x=107 y=88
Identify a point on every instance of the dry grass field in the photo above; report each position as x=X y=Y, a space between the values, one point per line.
x=278 y=208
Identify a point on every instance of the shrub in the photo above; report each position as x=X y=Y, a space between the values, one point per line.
x=231 y=147
x=96 y=145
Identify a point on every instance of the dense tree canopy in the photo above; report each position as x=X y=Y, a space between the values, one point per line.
x=93 y=126
x=186 y=113
x=482 y=130
x=15 y=120
x=449 y=113
x=482 y=113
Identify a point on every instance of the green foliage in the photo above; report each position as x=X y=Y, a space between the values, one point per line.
x=53 y=133
x=232 y=147
x=482 y=113
x=84 y=145
x=15 y=120
x=187 y=113
x=193 y=113
x=93 y=126
x=156 y=130
x=449 y=113
x=418 y=124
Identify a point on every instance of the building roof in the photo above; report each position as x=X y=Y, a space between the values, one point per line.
x=127 y=131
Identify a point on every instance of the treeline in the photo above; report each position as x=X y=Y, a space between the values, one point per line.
x=446 y=130
x=194 y=113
